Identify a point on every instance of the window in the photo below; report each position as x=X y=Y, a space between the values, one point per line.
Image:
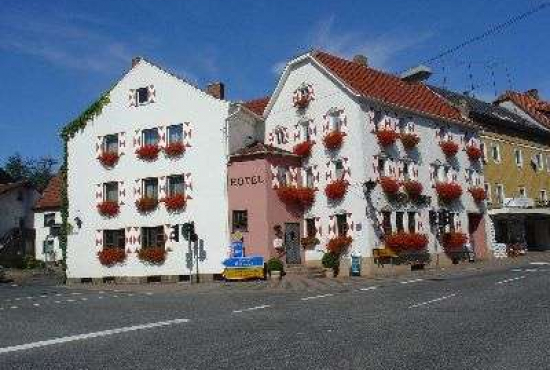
x=49 y=219
x=518 y=157
x=339 y=169
x=548 y=163
x=309 y=178
x=539 y=162
x=487 y=188
x=114 y=238
x=310 y=227
x=240 y=220
x=399 y=218
x=150 y=136
x=110 y=143
x=176 y=185
x=522 y=192
x=110 y=191
x=305 y=131
x=407 y=171
x=543 y=196
x=500 y=193
x=175 y=134
x=334 y=121
x=150 y=188
x=280 y=135
x=152 y=237
x=342 y=224
x=495 y=153
x=386 y=222
x=142 y=95
x=411 y=221
x=282 y=173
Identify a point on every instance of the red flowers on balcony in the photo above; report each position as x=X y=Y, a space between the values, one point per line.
x=174 y=149
x=153 y=255
x=410 y=140
x=338 y=244
x=454 y=241
x=108 y=159
x=336 y=189
x=303 y=149
x=474 y=153
x=148 y=152
x=478 y=193
x=389 y=185
x=333 y=140
x=406 y=242
x=293 y=195
x=108 y=208
x=387 y=137
x=111 y=256
x=449 y=147
x=413 y=188
x=448 y=191
x=175 y=202
x=145 y=204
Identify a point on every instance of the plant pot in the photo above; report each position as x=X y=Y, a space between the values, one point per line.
x=275 y=275
x=330 y=273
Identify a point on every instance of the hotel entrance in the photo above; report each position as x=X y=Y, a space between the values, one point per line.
x=292 y=243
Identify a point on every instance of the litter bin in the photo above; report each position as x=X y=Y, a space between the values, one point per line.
x=355 y=265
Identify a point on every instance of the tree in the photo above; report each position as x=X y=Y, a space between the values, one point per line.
x=38 y=171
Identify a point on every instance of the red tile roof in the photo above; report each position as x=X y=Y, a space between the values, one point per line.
x=388 y=88
x=51 y=197
x=538 y=109
x=5 y=188
x=257 y=105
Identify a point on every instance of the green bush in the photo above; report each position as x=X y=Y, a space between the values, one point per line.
x=29 y=262
x=330 y=260
x=275 y=264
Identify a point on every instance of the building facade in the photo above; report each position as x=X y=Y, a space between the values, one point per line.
x=47 y=222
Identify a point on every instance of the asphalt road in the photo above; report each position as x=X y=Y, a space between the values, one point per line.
x=479 y=320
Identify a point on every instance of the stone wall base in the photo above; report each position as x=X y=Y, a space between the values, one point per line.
x=139 y=279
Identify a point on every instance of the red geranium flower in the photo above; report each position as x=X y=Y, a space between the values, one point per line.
x=474 y=153
x=154 y=255
x=333 y=140
x=146 y=204
x=450 y=148
x=478 y=193
x=174 y=149
x=389 y=185
x=413 y=188
x=338 y=244
x=387 y=137
x=108 y=159
x=148 y=152
x=410 y=140
x=111 y=256
x=175 y=202
x=454 y=241
x=293 y=195
x=303 y=149
x=402 y=241
x=336 y=189
x=448 y=191
x=108 y=208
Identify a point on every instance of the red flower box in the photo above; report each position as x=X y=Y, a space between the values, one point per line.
x=306 y=196
x=333 y=140
x=303 y=149
x=338 y=244
x=478 y=193
x=450 y=148
x=302 y=101
x=154 y=255
x=454 y=241
x=174 y=149
x=175 y=202
x=146 y=204
x=410 y=140
x=387 y=137
x=474 y=153
x=413 y=188
x=336 y=189
x=148 y=152
x=406 y=242
x=302 y=196
x=111 y=256
x=108 y=159
x=108 y=208
x=389 y=185
x=448 y=191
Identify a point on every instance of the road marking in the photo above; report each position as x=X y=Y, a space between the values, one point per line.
x=70 y=300
x=411 y=281
x=252 y=308
x=432 y=301
x=510 y=280
x=57 y=302
x=36 y=304
x=317 y=297
x=58 y=295
x=83 y=299
x=369 y=288
x=13 y=307
x=539 y=263
x=43 y=296
x=96 y=334
x=531 y=270
x=517 y=270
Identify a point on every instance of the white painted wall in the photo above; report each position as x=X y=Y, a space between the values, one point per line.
x=176 y=102
x=43 y=233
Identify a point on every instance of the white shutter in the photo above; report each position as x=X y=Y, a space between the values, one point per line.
x=270 y=138
x=374 y=168
x=274 y=177
x=162 y=136
x=121 y=193
x=312 y=130
x=132 y=98
x=293 y=176
x=350 y=224
x=457 y=222
x=188 y=186
x=343 y=122
x=326 y=123
x=328 y=173
x=98 y=146
x=137 y=139
x=432 y=175
x=318 y=230
x=297 y=133
x=137 y=189
x=419 y=220
x=371 y=125
x=454 y=175
x=347 y=171
x=168 y=241
x=393 y=222
x=400 y=171
x=137 y=238
x=151 y=94
x=162 y=187
x=316 y=180
x=380 y=221
x=99 y=193
x=121 y=143
x=187 y=134
x=129 y=243
x=98 y=240
x=331 y=226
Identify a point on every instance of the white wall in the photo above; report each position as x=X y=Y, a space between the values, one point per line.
x=176 y=102
x=42 y=233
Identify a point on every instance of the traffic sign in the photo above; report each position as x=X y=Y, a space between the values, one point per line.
x=237 y=249
x=235 y=262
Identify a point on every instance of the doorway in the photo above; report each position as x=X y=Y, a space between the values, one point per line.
x=292 y=243
x=476 y=234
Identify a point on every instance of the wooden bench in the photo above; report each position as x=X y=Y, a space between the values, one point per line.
x=383 y=256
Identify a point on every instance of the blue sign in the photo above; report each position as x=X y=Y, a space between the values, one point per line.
x=235 y=262
x=237 y=249
x=355 y=266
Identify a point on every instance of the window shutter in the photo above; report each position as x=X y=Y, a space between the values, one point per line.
x=132 y=98
x=400 y=169
x=168 y=241
x=326 y=123
x=137 y=139
x=121 y=193
x=393 y=222
x=99 y=193
x=162 y=187
x=162 y=136
x=137 y=189
x=98 y=146
x=371 y=125
x=315 y=170
x=331 y=226
x=187 y=134
x=98 y=240
x=343 y=122
x=274 y=177
x=293 y=176
x=312 y=130
x=286 y=135
x=270 y=138
x=151 y=94
x=350 y=224
x=188 y=186
x=328 y=174
x=374 y=167
x=458 y=222
x=297 y=133
x=347 y=171
x=380 y=222
x=128 y=239
x=318 y=230
x=454 y=175
x=432 y=175
x=419 y=222
x=121 y=143
x=137 y=238
x=414 y=167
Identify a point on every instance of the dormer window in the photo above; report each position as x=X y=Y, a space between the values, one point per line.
x=280 y=136
x=142 y=95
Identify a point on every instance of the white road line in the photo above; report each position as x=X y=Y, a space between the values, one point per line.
x=13 y=307
x=531 y=270
x=252 y=308
x=317 y=297
x=432 y=301
x=516 y=270
x=57 y=302
x=510 y=280
x=369 y=288
x=411 y=281
x=96 y=334
x=539 y=263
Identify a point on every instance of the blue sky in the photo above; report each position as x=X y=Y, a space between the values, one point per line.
x=58 y=56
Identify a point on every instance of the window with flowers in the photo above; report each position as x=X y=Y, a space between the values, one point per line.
x=110 y=143
x=150 y=137
x=114 y=239
x=282 y=175
x=150 y=187
x=152 y=237
x=176 y=185
x=110 y=192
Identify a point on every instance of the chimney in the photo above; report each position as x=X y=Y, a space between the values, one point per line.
x=216 y=89
x=417 y=74
x=135 y=61
x=534 y=93
x=361 y=60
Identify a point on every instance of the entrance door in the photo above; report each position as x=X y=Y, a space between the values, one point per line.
x=292 y=243
x=476 y=231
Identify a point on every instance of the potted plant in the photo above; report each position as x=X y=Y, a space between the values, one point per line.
x=339 y=243
x=148 y=152
x=413 y=188
x=174 y=149
x=333 y=140
x=146 y=204
x=331 y=262
x=409 y=140
x=111 y=256
x=448 y=192
x=175 y=202
x=108 y=159
x=309 y=242
x=275 y=268
x=453 y=243
x=389 y=185
x=303 y=149
x=152 y=255
x=478 y=193
x=449 y=147
x=336 y=189
x=108 y=208
x=386 y=137
x=474 y=153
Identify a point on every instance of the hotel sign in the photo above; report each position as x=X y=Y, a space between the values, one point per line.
x=246 y=180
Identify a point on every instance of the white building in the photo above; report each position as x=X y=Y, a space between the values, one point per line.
x=47 y=222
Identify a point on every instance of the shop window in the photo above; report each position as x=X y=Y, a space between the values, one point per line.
x=152 y=237
x=176 y=185
x=240 y=220
x=110 y=191
x=310 y=227
x=342 y=224
x=110 y=143
x=114 y=238
x=175 y=134
x=150 y=188
x=49 y=219
x=150 y=136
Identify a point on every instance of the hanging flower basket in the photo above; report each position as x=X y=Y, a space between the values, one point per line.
x=333 y=140
x=474 y=153
x=175 y=202
x=410 y=140
x=387 y=137
x=454 y=241
x=293 y=195
x=303 y=149
x=309 y=242
x=413 y=188
x=478 y=193
x=146 y=204
x=450 y=148
x=153 y=255
x=108 y=159
x=174 y=149
x=448 y=191
x=111 y=256
x=338 y=244
x=406 y=242
x=389 y=185
x=148 y=152
x=336 y=189
x=108 y=208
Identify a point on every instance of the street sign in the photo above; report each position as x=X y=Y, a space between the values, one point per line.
x=237 y=249
x=244 y=273
x=238 y=262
